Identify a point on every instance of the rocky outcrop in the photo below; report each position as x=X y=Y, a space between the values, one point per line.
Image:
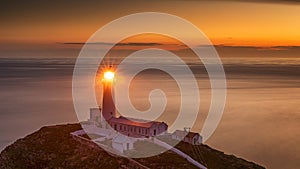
x=54 y=147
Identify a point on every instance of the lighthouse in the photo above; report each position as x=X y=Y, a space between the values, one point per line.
x=128 y=126
x=108 y=106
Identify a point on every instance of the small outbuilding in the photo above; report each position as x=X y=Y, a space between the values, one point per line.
x=122 y=143
x=188 y=137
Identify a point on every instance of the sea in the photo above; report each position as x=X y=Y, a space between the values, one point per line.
x=260 y=121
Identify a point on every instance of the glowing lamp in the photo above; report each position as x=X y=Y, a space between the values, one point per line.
x=109 y=75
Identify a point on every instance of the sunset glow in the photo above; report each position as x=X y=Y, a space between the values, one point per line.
x=224 y=22
x=138 y=78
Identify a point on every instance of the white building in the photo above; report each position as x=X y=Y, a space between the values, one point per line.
x=122 y=143
x=187 y=136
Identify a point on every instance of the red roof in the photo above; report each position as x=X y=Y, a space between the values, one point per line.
x=134 y=122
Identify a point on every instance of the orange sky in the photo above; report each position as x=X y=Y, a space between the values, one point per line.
x=229 y=23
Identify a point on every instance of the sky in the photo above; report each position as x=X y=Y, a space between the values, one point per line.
x=237 y=23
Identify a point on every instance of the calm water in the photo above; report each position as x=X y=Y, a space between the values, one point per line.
x=260 y=122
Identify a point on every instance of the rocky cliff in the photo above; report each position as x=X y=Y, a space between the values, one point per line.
x=54 y=147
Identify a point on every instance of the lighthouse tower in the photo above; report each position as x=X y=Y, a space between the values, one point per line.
x=108 y=106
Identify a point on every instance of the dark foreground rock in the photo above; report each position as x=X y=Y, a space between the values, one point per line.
x=54 y=147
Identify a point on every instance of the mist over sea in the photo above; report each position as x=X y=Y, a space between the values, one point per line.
x=260 y=122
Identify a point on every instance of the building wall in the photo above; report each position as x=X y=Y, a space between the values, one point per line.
x=118 y=146
x=162 y=128
x=175 y=137
x=124 y=146
x=200 y=139
x=95 y=115
x=195 y=140
x=137 y=130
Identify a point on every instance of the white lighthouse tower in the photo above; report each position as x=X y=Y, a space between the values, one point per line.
x=108 y=106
